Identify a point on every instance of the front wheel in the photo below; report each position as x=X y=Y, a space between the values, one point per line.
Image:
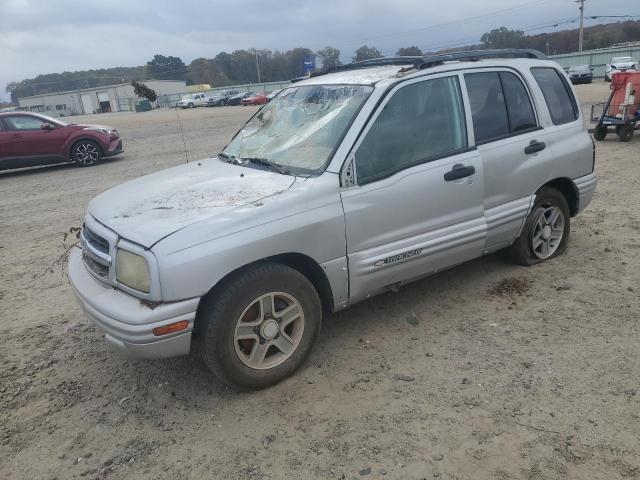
x=546 y=231
x=86 y=153
x=260 y=326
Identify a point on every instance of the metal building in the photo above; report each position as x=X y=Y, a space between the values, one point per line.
x=112 y=98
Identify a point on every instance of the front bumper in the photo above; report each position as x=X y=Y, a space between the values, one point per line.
x=127 y=324
x=115 y=148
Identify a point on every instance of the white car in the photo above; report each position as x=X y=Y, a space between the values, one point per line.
x=192 y=101
x=619 y=64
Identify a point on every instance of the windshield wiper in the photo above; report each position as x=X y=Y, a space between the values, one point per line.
x=268 y=163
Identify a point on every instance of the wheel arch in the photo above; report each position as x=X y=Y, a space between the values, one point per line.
x=304 y=264
x=568 y=189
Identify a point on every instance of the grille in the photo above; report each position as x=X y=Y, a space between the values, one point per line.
x=101 y=270
x=96 y=241
x=95 y=253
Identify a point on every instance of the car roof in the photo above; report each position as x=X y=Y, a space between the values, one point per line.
x=385 y=75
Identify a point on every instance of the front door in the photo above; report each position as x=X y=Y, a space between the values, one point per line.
x=29 y=145
x=416 y=205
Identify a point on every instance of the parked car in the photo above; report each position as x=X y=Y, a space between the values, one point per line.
x=346 y=185
x=619 y=64
x=31 y=139
x=215 y=101
x=192 y=101
x=580 y=74
x=237 y=99
x=221 y=99
x=255 y=99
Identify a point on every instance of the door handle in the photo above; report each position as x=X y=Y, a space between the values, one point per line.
x=459 y=171
x=534 y=146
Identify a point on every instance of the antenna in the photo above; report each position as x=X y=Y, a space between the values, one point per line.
x=184 y=144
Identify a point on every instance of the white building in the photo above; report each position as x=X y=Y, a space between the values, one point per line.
x=85 y=101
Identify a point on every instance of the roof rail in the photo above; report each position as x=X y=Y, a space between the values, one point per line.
x=475 y=55
x=373 y=62
x=427 y=61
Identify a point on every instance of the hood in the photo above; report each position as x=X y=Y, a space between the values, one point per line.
x=149 y=208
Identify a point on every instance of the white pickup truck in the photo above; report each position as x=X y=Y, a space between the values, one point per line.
x=192 y=101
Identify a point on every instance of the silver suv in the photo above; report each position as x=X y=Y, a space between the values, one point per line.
x=345 y=185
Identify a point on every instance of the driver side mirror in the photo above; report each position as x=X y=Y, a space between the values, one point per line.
x=46 y=126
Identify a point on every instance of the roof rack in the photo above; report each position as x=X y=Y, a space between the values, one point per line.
x=373 y=62
x=422 y=62
x=475 y=55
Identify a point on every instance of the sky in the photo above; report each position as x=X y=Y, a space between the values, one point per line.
x=47 y=36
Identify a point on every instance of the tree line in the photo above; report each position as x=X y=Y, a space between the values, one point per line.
x=264 y=65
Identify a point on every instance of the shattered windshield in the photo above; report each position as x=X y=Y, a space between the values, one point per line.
x=301 y=127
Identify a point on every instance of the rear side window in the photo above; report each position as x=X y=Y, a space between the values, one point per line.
x=500 y=105
x=24 y=122
x=562 y=105
x=421 y=122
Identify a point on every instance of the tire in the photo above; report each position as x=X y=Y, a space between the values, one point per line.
x=625 y=132
x=600 y=132
x=527 y=249
x=86 y=153
x=238 y=361
x=191 y=105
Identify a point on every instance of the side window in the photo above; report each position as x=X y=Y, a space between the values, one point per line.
x=562 y=105
x=519 y=108
x=488 y=108
x=500 y=105
x=421 y=122
x=24 y=122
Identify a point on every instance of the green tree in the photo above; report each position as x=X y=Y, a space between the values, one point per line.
x=330 y=57
x=408 y=51
x=167 y=68
x=502 y=38
x=365 y=53
x=142 y=91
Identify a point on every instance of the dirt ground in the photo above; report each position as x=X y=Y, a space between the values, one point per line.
x=486 y=371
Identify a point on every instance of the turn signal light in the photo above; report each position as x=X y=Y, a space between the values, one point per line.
x=171 y=328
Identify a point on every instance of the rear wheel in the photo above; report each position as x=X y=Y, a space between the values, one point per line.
x=625 y=132
x=546 y=231
x=260 y=327
x=86 y=153
x=600 y=132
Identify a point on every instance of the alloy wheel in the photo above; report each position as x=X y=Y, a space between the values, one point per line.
x=86 y=153
x=269 y=330
x=548 y=232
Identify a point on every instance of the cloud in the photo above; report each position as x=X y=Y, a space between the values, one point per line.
x=65 y=35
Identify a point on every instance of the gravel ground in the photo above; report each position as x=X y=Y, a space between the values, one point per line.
x=486 y=371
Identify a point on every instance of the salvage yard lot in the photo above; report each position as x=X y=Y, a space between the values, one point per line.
x=486 y=371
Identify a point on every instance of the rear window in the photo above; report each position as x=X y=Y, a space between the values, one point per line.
x=561 y=102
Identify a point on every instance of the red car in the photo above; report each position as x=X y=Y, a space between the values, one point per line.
x=30 y=139
x=257 y=99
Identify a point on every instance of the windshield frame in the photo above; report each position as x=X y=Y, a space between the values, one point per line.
x=307 y=172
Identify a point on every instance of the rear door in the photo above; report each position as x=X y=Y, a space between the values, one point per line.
x=513 y=146
x=416 y=205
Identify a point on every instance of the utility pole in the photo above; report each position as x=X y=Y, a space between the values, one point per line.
x=257 y=65
x=581 y=37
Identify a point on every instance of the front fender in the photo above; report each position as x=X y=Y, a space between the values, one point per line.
x=307 y=219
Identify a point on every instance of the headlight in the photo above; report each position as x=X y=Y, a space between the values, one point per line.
x=133 y=271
